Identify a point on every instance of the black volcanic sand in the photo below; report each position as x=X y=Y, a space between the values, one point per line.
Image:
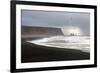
x=35 y=53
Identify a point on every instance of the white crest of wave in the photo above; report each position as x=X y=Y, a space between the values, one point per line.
x=67 y=42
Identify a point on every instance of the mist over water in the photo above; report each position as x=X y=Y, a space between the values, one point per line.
x=73 y=38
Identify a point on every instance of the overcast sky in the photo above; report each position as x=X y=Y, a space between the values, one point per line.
x=56 y=19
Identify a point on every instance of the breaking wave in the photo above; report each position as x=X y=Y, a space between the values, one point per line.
x=68 y=42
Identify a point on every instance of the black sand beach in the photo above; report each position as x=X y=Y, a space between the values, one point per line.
x=36 y=53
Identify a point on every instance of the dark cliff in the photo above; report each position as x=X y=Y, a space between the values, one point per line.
x=28 y=31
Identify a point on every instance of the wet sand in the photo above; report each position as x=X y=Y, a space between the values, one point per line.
x=36 y=53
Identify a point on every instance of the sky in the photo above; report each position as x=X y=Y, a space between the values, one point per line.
x=56 y=19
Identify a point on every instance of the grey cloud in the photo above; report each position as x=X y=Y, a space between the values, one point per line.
x=56 y=19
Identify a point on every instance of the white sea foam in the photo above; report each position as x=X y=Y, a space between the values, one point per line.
x=68 y=42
